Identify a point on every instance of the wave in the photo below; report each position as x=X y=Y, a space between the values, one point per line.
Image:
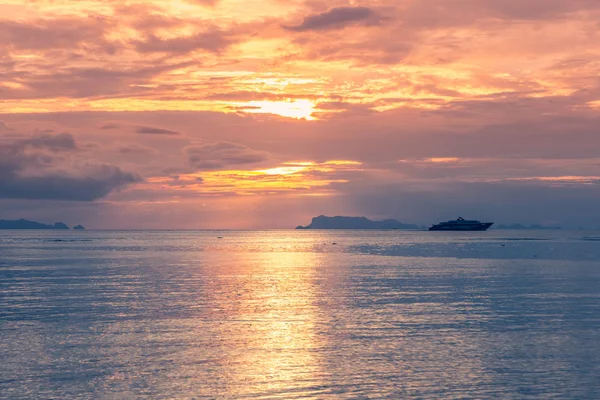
x=591 y=239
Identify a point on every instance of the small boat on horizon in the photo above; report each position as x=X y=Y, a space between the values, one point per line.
x=461 y=224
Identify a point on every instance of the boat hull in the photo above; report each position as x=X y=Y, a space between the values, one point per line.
x=469 y=228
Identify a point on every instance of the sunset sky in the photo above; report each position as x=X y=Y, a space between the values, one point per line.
x=264 y=113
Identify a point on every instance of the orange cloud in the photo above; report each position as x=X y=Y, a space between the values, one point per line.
x=191 y=55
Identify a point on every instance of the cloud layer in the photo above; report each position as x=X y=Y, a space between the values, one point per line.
x=229 y=110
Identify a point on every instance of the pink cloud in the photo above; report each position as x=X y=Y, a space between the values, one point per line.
x=222 y=155
x=506 y=92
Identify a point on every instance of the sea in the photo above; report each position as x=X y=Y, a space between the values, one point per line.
x=299 y=315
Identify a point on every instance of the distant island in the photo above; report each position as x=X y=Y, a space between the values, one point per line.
x=525 y=227
x=25 y=224
x=323 y=222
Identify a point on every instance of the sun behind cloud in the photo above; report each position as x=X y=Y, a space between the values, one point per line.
x=298 y=109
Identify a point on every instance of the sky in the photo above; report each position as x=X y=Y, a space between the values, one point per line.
x=252 y=114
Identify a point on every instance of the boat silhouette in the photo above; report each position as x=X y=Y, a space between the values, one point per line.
x=461 y=224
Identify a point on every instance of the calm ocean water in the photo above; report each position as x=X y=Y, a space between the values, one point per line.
x=290 y=314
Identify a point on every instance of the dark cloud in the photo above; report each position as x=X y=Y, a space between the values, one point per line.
x=95 y=184
x=134 y=149
x=335 y=18
x=45 y=141
x=148 y=130
x=35 y=168
x=110 y=126
x=222 y=155
x=60 y=142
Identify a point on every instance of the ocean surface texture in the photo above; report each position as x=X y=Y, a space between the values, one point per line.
x=299 y=314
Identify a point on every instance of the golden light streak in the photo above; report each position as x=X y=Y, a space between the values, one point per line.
x=12 y=85
x=300 y=163
x=342 y=162
x=303 y=177
x=594 y=104
x=283 y=170
x=568 y=178
x=443 y=160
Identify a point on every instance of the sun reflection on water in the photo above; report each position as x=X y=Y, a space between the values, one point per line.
x=270 y=310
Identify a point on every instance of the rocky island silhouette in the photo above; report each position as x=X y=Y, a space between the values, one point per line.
x=25 y=224
x=324 y=222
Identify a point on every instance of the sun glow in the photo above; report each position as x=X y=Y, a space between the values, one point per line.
x=298 y=109
x=283 y=170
